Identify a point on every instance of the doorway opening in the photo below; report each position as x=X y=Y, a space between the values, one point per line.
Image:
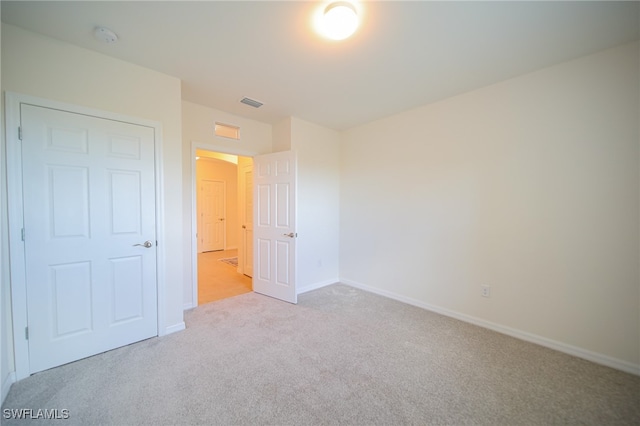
x=224 y=216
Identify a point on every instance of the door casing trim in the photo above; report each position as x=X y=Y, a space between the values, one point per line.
x=15 y=215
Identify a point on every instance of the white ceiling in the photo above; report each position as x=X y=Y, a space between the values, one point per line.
x=405 y=54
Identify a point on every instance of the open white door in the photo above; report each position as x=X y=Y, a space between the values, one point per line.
x=275 y=225
x=89 y=234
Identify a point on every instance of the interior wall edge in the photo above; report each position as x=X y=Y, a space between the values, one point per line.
x=173 y=329
x=578 y=352
x=6 y=385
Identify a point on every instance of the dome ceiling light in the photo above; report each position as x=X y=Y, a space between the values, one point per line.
x=340 y=20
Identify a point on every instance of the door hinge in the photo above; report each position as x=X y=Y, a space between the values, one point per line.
x=22 y=234
x=20 y=132
x=26 y=333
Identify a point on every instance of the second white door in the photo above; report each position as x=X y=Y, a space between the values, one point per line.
x=212 y=215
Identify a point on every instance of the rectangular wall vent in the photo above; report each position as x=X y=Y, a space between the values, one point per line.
x=227 y=131
x=251 y=102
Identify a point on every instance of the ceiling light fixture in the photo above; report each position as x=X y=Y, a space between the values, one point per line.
x=105 y=35
x=340 y=20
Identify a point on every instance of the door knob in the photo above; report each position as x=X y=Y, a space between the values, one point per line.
x=290 y=235
x=146 y=244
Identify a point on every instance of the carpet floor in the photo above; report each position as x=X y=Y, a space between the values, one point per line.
x=341 y=356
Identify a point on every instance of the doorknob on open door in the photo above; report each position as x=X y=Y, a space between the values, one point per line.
x=146 y=244
x=291 y=235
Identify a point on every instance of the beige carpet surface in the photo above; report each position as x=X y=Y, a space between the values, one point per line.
x=341 y=356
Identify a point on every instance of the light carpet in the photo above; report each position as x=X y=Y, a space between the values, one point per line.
x=341 y=356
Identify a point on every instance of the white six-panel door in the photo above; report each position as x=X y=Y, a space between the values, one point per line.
x=212 y=215
x=275 y=225
x=89 y=234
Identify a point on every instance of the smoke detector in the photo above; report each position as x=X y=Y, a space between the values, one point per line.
x=105 y=35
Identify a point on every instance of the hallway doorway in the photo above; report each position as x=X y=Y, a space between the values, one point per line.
x=222 y=268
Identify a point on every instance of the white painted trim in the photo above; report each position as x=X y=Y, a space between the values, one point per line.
x=174 y=328
x=317 y=285
x=15 y=212
x=598 y=358
x=6 y=385
x=194 y=219
x=161 y=253
x=16 y=245
x=222 y=149
x=194 y=231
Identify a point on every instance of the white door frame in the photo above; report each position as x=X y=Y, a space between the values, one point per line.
x=194 y=213
x=242 y=201
x=15 y=213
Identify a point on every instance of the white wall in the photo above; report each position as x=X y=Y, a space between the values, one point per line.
x=318 y=222
x=530 y=186
x=198 y=126
x=282 y=135
x=6 y=332
x=39 y=66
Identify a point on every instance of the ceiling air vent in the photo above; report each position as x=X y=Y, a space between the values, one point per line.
x=251 y=102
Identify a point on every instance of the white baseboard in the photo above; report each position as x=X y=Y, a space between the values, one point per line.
x=317 y=285
x=598 y=358
x=174 y=328
x=6 y=385
x=187 y=306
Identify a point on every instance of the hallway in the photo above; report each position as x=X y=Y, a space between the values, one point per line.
x=218 y=280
